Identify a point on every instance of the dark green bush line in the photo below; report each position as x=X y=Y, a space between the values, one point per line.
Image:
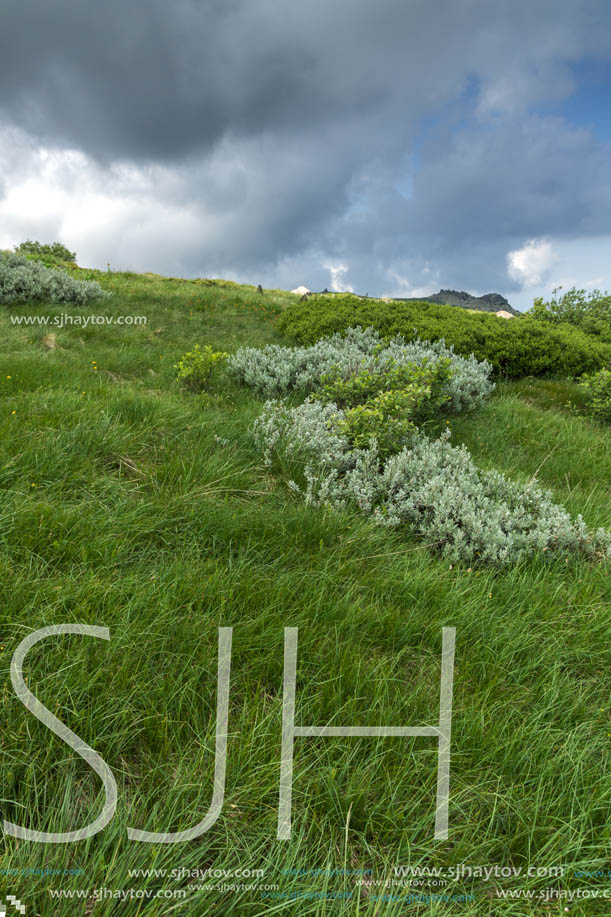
x=516 y=347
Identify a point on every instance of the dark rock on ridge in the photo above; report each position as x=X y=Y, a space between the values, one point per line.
x=490 y=302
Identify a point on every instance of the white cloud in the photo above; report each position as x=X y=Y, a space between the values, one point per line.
x=337 y=272
x=531 y=265
x=403 y=287
x=579 y=262
x=310 y=194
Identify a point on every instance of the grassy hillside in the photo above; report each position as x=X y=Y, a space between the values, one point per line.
x=128 y=503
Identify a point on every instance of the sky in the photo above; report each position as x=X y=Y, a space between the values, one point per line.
x=390 y=147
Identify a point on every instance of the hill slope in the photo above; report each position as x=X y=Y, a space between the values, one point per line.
x=128 y=503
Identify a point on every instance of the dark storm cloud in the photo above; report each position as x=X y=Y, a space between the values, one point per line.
x=159 y=79
x=273 y=136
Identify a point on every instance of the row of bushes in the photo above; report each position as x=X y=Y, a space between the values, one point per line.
x=355 y=442
x=435 y=489
x=358 y=358
x=522 y=346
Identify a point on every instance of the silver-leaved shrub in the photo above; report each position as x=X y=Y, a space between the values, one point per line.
x=471 y=514
x=22 y=280
x=277 y=370
x=434 y=488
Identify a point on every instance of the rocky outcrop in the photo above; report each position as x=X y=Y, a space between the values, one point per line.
x=490 y=302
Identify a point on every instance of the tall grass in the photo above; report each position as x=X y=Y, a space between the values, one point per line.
x=127 y=503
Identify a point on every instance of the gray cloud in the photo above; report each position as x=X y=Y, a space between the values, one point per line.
x=263 y=139
x=158 y=80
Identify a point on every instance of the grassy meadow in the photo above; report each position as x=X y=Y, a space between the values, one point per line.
x=128 y=503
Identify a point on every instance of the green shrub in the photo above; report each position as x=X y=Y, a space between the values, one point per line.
x=589 y=311
x=521 y=346
x=386 y=404
x=597 y=390
x=349 y=389
x=52 y=254
x=387 y=419
x=24 y=281
x=194 y=370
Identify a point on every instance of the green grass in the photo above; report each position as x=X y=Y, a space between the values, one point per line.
x=127 y=503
